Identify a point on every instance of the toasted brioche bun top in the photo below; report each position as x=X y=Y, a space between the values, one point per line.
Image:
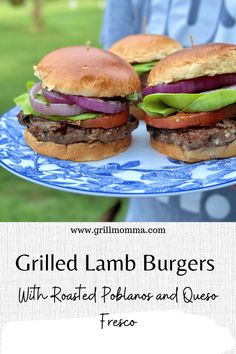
x=143 y=48
x=200 y=60
x=87 y=71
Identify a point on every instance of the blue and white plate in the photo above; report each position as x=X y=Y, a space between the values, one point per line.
x=140 y=171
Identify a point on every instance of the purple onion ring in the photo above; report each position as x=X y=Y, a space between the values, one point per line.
x=197 y=85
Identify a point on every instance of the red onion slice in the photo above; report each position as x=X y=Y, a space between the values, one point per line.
x=54 y=97
x=199 y=84
x=51 y=109
x=99 y=105
x=88 y=103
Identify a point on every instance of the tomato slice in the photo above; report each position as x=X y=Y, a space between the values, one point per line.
x=107 y=121
x=186 y=120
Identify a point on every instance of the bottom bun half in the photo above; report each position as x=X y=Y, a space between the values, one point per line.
x=205 y=153
x=79 y=152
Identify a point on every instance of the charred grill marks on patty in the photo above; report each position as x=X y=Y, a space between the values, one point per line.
x=220 y=134
x=69 y=132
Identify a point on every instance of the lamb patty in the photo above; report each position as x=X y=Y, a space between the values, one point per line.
x=220 y=134
x=69 y=132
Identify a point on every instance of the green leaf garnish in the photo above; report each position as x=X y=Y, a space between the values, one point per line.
x=166 y=104
x=144 y=67
x=82 y=116
x=134 y=96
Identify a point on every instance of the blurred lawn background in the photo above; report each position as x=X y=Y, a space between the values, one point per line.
x=21 y=47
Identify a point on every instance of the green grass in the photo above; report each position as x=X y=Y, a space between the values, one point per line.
x=21 y=48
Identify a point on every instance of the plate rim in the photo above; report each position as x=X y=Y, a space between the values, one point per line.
x=121 y=195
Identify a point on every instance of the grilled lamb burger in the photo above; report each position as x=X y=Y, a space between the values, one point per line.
x=79 y=111
x=143 y=52
x=190 y=103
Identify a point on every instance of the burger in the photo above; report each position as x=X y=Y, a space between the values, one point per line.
x=78 y=111
x=190 y=103
x=143 y=52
